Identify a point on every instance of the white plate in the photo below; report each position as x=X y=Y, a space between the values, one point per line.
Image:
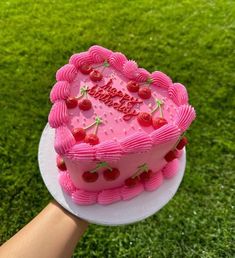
x=123 y=212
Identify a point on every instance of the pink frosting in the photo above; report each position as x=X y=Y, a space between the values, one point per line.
x=67 y=72
x=138 y=142
x=80 y=59
x=130 y=69
x=64 y=140
x=109 y=196
x=155 y=181
x=82 y=197
x=171 y=169
x=161 y=80
x=117 y=61
x=58 y=114
x=184 y=117
x=61 y=90
x=131 y=192
x=66 y=182
x=99 y=54
x=142 y=75
x=81 y=151
x=165 y=133
x=109 y=151
x=178 y=94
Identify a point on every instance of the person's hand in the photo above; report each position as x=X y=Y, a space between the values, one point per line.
x=53 y=233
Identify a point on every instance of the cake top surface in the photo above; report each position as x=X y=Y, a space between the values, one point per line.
x=101 y=96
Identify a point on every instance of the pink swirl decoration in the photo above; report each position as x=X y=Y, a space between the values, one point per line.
x=67 y=72
x=109 y=196
x=184 y=117
x=117 y=60
x=171 y=169
x=83 y=58
x=155 y=182
x=161 y=80
x=66 y=183
x=61 y=90
x=99 y=54
x=142 y=75
x=165 y=133
x=64 y=140
x=83 y=197
x=138 y=142
x=128 y=193
x=81 y=152
x=109 y=151
x=130 y=69
x=58 y=114
x=178 y=94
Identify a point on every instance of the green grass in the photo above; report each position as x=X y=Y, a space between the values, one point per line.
x=193 y=42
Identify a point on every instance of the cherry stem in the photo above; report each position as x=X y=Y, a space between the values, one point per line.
x=159 y=104
x=142 y=168
x=97 y=122
x=101 y=165
x=83 y=91
x=105 y=64
x=148 y=82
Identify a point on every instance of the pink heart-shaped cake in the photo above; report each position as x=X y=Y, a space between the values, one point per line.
x=116 y=127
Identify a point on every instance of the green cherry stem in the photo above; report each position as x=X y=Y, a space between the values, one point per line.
x=105 y=64
x=142 y=168
x=96 y=122
x=148 y=82
x=83 y=91
x=159 y=104
x=99 y=165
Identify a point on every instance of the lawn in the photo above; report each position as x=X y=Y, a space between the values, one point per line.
x=193 y=42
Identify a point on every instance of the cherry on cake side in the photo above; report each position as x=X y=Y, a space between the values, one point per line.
x=142 y=173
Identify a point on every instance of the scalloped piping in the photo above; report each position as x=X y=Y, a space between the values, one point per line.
x=178 y=94
x=99 y=54
x=60 y=91
x=108 y=196
x=58 y=114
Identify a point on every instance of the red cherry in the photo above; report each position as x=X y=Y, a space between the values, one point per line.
x=159 y=122
x=144 y=119
x=171 y=155
x=144 y=92
x=71 y=102
x=96 y=76
x=182 y=143
x=79 y=134
x=131 y=182
x=133 y=86
x=145 y=176
x=85 y=104
x=86 y=69
x=111 y=175
x=90 y=177
x=60 y=163
x=92 y=139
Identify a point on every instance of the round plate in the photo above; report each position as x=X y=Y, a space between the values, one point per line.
x=123 y=212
